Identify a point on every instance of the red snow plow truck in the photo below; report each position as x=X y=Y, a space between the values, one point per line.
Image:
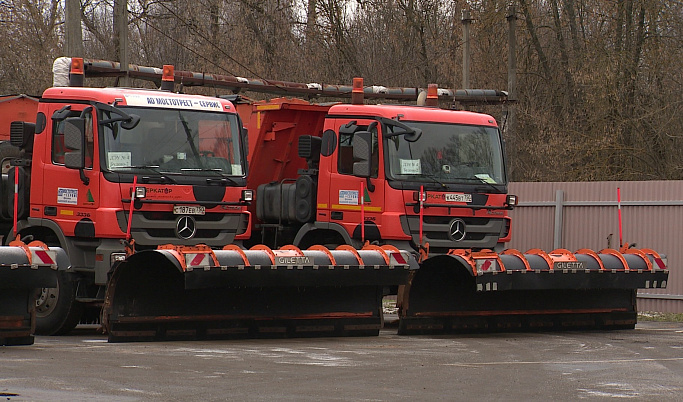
x=432 y=181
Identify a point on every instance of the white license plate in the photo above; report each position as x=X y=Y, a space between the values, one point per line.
x=189 y=210
x=458 y=197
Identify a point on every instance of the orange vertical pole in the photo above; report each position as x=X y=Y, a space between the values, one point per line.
x=361 y=199
x=130 y=211
x=621 y=243
x=421 y=211
x=16 y=200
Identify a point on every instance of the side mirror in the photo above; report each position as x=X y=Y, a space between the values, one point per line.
x=73 y=130
x=131 y=123
x=409 y=134
x=362 y=152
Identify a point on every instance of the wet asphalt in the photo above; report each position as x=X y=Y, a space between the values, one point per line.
x=643 y=364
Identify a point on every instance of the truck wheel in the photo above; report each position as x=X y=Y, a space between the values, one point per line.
x=57 y=311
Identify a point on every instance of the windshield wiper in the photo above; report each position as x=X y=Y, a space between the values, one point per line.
x=151 y=168
x=435 y=180
x=218 y=171
x=489 y=185
x=188 y=134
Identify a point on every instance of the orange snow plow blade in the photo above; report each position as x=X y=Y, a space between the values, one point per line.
x=468 y=291
x=23 y=270
x=198 y=293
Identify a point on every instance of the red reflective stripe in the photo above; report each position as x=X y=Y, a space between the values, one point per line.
x=44 y=257
x=399 y=258
x=197 y=259
x=486 y=265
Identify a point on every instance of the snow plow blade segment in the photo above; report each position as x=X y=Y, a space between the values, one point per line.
x=468 y=291
x=23 y=270
x=198 y=293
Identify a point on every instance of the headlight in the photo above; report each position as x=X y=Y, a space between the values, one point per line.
x=511 y=200
x=116 y=257
x=247 y=195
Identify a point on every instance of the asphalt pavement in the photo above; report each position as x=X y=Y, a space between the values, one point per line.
x=643 y=364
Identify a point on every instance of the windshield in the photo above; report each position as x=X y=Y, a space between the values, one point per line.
x=447 y=153
x=174 y=141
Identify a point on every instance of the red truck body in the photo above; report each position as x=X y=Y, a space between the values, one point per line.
x=182 y=158
x=388 y=205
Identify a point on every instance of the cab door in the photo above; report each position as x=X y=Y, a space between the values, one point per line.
x=352 y=198
x=70 y=198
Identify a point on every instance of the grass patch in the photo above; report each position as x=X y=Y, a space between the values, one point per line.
x=653 y=316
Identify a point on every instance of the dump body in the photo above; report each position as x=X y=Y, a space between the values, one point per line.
x=16 y=108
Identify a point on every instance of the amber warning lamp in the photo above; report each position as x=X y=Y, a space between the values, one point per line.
x=357 y=91
x=77 y=72
x=432 y=95
x=168 y=78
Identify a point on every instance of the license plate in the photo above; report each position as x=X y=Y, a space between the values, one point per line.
x=458 y=197
x=189 y=210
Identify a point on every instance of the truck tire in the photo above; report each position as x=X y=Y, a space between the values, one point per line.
x=57 y=311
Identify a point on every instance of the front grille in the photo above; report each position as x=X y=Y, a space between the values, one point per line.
x=444 y=236
x=165 y=233
x=170 y=216
x=151 y=228
x=479 y=232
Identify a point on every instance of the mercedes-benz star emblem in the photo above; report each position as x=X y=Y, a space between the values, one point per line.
x=185 y=227
x=456 y=231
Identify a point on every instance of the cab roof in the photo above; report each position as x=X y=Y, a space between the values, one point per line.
x=413 y=113
x=137 y=97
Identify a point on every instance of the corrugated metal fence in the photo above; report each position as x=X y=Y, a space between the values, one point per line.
x=585 y=215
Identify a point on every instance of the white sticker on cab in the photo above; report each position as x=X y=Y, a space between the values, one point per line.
x=348 y=197
x=67 y=196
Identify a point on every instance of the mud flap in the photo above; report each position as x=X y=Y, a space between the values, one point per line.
x=445 y=295
x=153 y=296
x=22 y=272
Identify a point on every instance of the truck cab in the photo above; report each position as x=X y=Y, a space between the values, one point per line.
x=433 y=177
